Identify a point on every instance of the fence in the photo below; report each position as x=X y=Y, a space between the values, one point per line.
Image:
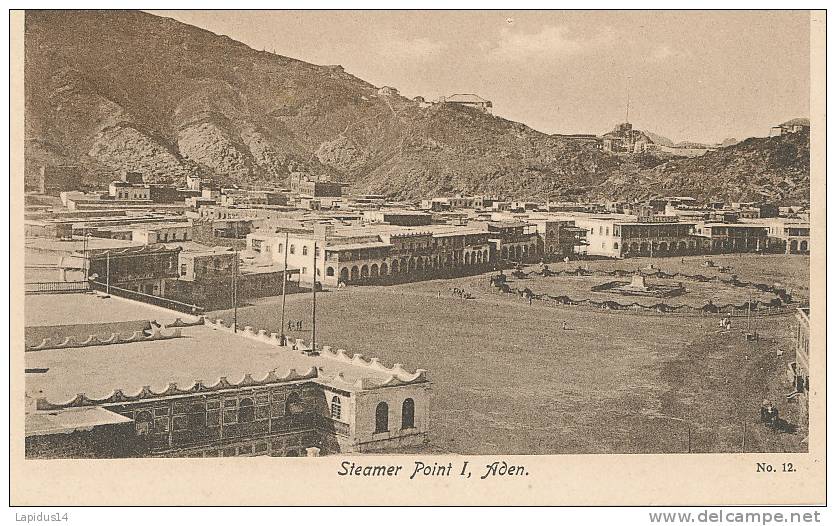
x=781 y=304
x=57 y=287
x=147 y=298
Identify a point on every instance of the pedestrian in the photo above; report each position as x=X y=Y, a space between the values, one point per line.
x=290 y=325
x=565 y=327
x=299 y=325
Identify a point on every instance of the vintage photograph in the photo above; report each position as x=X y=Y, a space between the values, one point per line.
x=317 y=233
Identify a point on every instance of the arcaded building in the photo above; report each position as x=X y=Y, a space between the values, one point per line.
x=109 y=377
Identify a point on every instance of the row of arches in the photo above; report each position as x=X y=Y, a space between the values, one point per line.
x=798 y=247
x=381 y=416
x=663 y=247
x=409 y=265
x=519 y=252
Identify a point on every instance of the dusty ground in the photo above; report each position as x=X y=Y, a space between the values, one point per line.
x=508 y=379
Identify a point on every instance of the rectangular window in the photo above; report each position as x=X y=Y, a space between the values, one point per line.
x=213 y=404
x=180 y=423
x=261 y=448
x=245 y=450
x=161 y=411
x=304 y=250
x=230 y=417
x=304 y=270
x=213 y=418
x=316 y=252
x=161 y=425
x=230 y=403
x=292 y=249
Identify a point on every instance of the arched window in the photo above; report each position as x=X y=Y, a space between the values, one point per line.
x=304 y=250
x=281 y=248
x=246 y=411
x=292 y=249
x=329 y=271
x=381 y=418
x=294 y=404
x=336 y=409
x=408 y=414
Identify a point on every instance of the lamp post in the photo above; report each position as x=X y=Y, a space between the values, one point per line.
x=284 y=285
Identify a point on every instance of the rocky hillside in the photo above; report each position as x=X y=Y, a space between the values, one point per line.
x=772 y=169
x=132 y=91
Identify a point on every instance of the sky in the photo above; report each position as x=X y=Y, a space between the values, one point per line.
x=692 y=75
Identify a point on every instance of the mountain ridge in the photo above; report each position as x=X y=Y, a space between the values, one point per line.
x=133 y=91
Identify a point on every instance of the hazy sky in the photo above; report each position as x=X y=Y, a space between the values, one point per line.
x=700 y=76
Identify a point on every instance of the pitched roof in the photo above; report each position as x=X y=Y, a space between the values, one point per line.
x=466 y=98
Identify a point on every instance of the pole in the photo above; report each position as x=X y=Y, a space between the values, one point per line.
x=313 y=308
x=744 y=438
x=284 y=284
x=235 y=283
x=107 y=289
x=235 y=292
x=689 y=438
x=86 y=256
x=627 y=117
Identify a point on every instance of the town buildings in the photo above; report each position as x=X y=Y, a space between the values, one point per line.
x=108 y=377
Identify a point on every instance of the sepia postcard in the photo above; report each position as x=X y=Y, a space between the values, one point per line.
x=467 y=257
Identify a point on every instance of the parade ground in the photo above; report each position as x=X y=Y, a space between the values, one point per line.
x=511 y=377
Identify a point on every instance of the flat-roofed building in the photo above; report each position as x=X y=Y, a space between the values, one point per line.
x=791 y=236
x=117 y=378
x=513 y=241
x=144 y=269
x=724 y=238
x=398 y=217
x=623 y=236
x=558 y=238
x=375 y=253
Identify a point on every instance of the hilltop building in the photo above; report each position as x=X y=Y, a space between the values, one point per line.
x=624 y=139
x=469 y=100
x=790 y=126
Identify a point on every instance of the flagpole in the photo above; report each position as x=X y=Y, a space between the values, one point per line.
x=284 y=285
x=313 y=309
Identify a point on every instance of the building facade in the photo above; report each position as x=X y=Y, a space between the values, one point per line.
x=305 y=403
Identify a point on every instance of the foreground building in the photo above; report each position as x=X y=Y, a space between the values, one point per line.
x=108 y=377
